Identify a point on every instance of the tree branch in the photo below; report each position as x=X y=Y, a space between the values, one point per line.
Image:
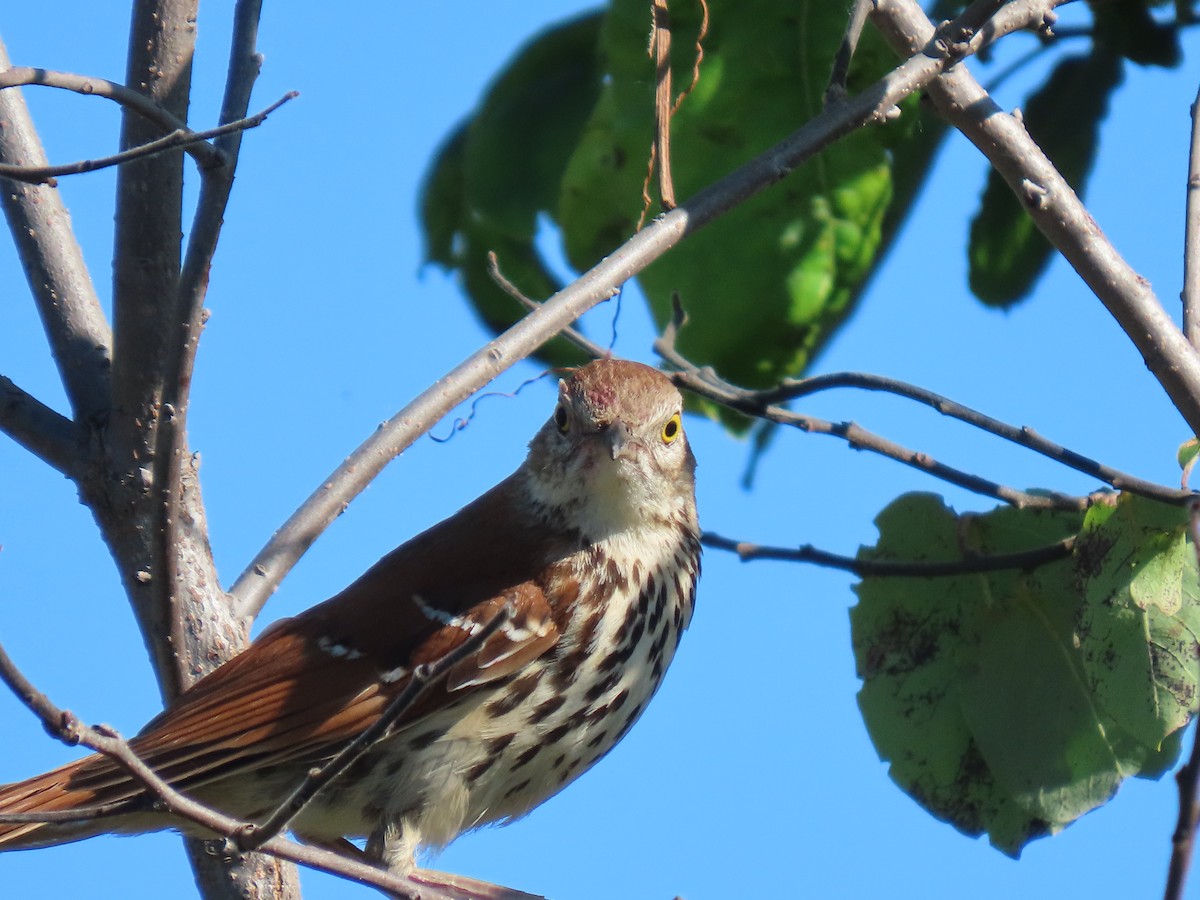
x=263 y=575
x=157 y=528
x=835 y=91
x=1191 y=236
x=58 y=278
x=206 y=156
x=574 y=335
x=706 y=383
x=145 y=277
x=878 y=568
x=39 y=429
x=1055 y=208
x=181 y=138
x=1023 y=435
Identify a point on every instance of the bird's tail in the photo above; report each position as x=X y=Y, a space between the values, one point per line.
x=81 y=799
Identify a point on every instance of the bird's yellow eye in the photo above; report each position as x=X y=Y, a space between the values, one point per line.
x=561 y=419
x=672 y=429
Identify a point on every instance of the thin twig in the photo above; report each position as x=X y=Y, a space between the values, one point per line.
x=179 y=138
x=708 y=384
x=264 y=573
x=574 y=335
x=206 y=156
x=701 y=34
x=253 y=836
x=1188 y=781
x=835 y=91
x=880 y=568
x=1191 y=236
x=1021 y=435
x=1053 y=205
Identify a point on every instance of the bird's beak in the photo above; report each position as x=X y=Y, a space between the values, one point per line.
x=618 y=436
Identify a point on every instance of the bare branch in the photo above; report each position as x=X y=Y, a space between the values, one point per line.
x=1191 y=236
x=1022 y=435
x=244 y=64
x=872 y=106
x=252 y=837
x=206 y=156
x=58 y=278
x=39 y=429
x=1054 y=207
x=145 y=278
x=835 y=91
x=574 y=335
x=880 y=568
x=181 y=138
x=706 y=383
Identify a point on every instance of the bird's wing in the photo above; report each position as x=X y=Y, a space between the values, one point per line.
x=310 y=684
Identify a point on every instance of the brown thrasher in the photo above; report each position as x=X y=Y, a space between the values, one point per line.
x=594 y=544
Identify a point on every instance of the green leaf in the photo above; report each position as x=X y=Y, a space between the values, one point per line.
x=501 y=169
x=1126 y=27
x=795 y=255
x=1013 y=702
x=1188 y=451
x=1138 y=629
x=566 y=131
x=1007 y=254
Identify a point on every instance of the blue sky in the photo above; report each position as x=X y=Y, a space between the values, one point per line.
x=751 y=773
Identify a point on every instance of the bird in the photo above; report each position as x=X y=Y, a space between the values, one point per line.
x=592 y=546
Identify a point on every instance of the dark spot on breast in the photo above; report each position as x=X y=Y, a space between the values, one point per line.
x=660 y=604
x=479 y=768
x=497 y=744
x=587 y=631
x=631 y=616
x=517 y=788
x=661 y=641
x=558 y=761
x=547 y=707
x=568 y=772
x=616 y=658
x=553 y=737
x=392 y=769
x=614 y=575
x=569 y=667
x=526 y=756
x=628 y=723
x=595 y=742
x=513 y=695
x=619 y=700
x=597 y=690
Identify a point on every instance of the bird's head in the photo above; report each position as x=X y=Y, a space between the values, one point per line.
x=613 y=455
